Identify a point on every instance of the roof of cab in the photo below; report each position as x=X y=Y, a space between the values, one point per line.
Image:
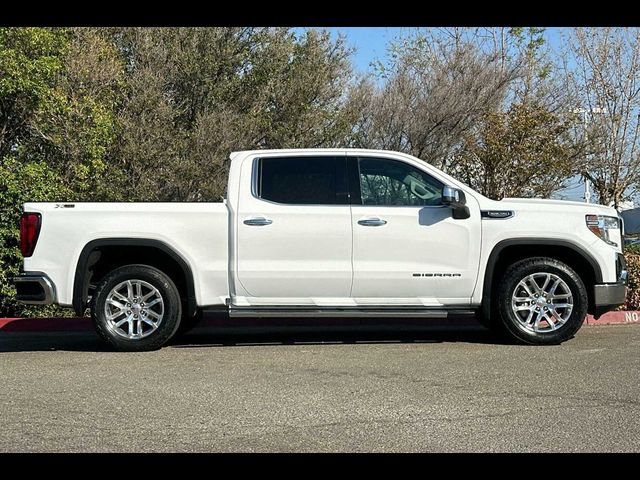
x=243 y=153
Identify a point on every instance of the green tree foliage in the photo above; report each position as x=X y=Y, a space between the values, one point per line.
x=58 y=93
x=30 y=61
x=20 y=183
x=196 y=94
x=632 y=257
x=521 y=153
x=76 y=128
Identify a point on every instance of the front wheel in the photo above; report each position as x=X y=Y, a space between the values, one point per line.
x=136 y=308
x=541 y=301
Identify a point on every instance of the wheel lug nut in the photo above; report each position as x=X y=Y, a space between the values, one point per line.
x=135 y=316
x=128 y=312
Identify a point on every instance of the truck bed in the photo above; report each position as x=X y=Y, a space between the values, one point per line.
x=198 y=232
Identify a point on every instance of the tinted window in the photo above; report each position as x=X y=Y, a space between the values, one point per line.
x=303 y=180
x=390 y=182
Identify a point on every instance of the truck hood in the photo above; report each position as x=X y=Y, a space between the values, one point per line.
x=540 y=203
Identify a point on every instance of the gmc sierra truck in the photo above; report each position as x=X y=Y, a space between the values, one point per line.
x=319 y=232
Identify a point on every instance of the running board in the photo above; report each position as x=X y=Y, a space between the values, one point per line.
x=384 y=312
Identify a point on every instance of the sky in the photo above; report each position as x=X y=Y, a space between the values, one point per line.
x=370 y=45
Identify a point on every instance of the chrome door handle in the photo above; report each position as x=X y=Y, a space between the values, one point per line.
x=372 y=222
x=258 y=221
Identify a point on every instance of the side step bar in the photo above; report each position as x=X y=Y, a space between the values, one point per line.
x=383 y=312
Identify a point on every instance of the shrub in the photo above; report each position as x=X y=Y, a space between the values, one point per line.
x=632 y=249
x=632 y=257
x=19 y=183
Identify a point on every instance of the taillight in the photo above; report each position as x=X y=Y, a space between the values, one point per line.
x=29 y=231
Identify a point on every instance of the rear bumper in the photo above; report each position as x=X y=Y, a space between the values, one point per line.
x=34 y=288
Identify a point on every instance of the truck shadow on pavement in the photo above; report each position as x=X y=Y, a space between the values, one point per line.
x=347 y=336
x=215 y=337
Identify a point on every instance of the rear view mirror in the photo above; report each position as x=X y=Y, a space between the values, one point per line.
x=456 y=199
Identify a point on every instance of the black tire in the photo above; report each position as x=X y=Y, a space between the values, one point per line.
x=167 y=327
x=507 y=323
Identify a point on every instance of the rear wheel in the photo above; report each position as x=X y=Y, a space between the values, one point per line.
x=136 y=308
x=541 y=301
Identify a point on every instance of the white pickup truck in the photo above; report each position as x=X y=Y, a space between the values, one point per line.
x=321 y=232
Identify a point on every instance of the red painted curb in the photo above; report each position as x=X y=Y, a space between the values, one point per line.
x=80 y=324
x=69 y=324
x=622 y=317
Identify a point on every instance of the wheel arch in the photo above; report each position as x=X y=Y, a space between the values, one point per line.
x=507 y=251
x=157 y=254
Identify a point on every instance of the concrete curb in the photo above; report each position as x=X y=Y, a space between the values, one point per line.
x=79 y=324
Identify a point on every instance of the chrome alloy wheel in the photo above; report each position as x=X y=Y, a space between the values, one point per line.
x=542 y=302
x=134 y=309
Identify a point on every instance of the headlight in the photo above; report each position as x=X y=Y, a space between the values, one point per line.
x=602 y=226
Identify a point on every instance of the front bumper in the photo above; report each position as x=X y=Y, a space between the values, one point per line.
x=34 y=288
x=613 y=294
x=607 y=296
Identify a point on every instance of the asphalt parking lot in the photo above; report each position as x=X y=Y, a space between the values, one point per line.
x=419 y=390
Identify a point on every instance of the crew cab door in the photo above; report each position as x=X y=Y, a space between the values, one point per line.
x=407 y=248
x=294 y=235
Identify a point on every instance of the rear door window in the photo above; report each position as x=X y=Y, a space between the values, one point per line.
x=303 y=180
